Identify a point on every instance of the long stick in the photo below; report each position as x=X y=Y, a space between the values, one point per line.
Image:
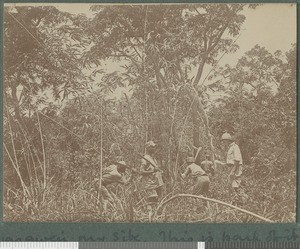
x=16 y=162
x=101 y=153
x=25 y=191
x=206 y=124
x=43 y=149
x=212 y=200
x=36 y=39
x=74 y=134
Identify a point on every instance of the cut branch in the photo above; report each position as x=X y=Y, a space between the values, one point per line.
x=215 y=201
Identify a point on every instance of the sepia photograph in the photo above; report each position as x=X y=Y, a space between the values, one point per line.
x=149 y=113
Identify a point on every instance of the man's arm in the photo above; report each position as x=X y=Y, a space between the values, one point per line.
x=186 y=172
x=237 y=155
x=219 y=162
x=124 y=181
x=144 y=170
x=147 y=172
x=211 y=168
x=133 y=173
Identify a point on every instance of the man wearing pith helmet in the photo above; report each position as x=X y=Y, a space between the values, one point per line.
x=233 y=160
x=151 y=174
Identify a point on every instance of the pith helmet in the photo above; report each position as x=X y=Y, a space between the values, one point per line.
x=122 y=163
x=190 y=159
x=226 y=136
x=150 y=144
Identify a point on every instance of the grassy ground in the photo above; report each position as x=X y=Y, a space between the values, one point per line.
x=79 y=202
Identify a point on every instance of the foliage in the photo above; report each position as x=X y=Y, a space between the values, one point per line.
x=42 y=48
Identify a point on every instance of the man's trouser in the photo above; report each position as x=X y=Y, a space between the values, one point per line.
x=154 y=195
x=235 y=175
x=106 y=197
x=151 y=195
x=201 y=185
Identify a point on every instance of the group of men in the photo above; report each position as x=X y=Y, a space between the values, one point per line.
x=151 y=178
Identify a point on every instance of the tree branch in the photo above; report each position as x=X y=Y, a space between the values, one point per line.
x=133 y=46
x=212 y=200
x=207 y=52
x=159 y=77
x=182 y=78
x=122 y=54
x=200 y=69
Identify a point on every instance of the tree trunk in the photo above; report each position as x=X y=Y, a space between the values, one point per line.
x=16 y=103
x=199 y=114
x=196 y=134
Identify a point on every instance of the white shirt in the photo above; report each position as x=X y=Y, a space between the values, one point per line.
x=234 y=154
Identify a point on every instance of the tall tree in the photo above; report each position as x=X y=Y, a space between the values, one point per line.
x=167 y=48
x=42 y=50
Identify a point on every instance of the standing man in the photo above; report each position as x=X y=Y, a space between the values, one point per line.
x=151 y=174
x=234 y=161
x=201 y=178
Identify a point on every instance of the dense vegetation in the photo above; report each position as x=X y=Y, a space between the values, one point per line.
x=54 y=150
